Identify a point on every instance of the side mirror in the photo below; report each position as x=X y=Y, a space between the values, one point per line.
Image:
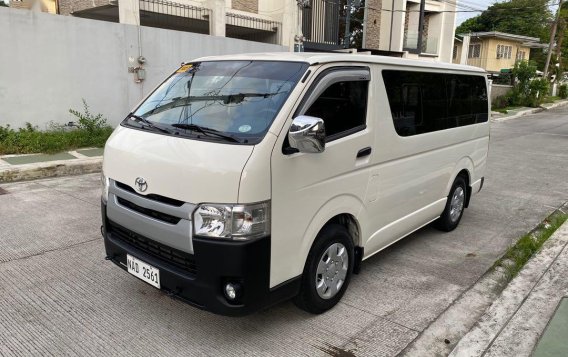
x=307 y=134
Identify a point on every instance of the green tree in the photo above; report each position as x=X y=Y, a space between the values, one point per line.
x=355 y=23
x=519 y=17
x=562 y=39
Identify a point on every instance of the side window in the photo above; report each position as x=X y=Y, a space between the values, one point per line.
x=467 y=100
x=338 y=96
x=423 y=102
x=342 y=106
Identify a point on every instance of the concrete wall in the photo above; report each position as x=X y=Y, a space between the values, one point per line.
x=498 y=90
x=50 y=62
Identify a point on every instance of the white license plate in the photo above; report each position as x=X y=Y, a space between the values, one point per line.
x=143 y=270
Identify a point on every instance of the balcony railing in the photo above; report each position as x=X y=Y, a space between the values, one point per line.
x=252 y=28
x=174 y=16
x=320 y=22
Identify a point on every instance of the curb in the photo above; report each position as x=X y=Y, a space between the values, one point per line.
x=522 y=113
x=50 y=169
x=500 y=316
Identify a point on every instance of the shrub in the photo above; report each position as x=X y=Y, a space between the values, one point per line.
x=523 y=72
x=499 y=102
x=563 y=91
x=538 y=91
x=88 y=121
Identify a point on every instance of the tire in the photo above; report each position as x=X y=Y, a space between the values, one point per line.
x=332 y=238
x=455 y=206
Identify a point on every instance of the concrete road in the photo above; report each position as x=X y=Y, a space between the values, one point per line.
x=58 y=296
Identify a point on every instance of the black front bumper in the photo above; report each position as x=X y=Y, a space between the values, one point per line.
x=216 y=263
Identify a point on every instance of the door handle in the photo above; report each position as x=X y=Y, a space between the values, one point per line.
x=364 y=152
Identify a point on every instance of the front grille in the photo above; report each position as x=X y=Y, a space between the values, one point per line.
x=153 y=197
x=158 y=250
x=148 y=212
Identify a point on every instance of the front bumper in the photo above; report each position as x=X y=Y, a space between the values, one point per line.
x=215 y=264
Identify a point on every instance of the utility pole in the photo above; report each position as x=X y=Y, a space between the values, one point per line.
x=420 y=27
x=552 y=36
x=346 y=40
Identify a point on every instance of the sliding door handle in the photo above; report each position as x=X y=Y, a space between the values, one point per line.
x=364 y=152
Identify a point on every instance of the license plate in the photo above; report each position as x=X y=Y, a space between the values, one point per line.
x=143 y=270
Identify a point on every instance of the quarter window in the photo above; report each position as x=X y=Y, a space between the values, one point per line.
x=342 y=106
x=425 y=102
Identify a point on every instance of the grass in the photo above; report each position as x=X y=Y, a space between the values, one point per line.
x=504 y=110
x=520 y=253
x=550 y=99
x=29 y=140
x=91 y=130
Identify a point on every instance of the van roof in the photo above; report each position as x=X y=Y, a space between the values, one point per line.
x=322 y=57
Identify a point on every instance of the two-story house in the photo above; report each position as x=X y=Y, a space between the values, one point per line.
x=393 y=25
x=493 y=51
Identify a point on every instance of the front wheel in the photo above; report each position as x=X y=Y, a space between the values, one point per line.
x=455 y=206
x=327 y=271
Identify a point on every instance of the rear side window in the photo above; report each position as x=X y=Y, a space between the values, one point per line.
x=342 y=106
x=423 y=102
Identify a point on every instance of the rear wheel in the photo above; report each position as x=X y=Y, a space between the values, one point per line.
x=327 y=271
x=455 y=206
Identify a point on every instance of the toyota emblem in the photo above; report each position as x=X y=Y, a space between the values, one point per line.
x=141 y=184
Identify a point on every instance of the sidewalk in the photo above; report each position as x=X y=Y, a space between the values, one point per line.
x=514 y=324
x=34 y=166
x=519 y=112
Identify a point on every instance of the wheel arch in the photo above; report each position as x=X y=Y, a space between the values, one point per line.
x=463 y=168
x=342 y=210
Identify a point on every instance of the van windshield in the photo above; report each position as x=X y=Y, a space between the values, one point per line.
x=220 y=100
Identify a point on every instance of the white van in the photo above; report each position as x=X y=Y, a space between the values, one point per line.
x=245 y=180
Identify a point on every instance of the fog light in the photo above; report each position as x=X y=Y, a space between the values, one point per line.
x=232 y=291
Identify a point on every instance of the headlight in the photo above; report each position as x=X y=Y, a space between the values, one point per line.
x=105 y=183
x=238 y=222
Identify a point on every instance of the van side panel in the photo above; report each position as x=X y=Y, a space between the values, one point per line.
x=414 y=174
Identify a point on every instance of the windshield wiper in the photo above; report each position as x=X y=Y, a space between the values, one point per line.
x=146 y=123
x=236 y=98
x=206 y=131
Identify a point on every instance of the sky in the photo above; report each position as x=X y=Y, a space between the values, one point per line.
x=466 y=4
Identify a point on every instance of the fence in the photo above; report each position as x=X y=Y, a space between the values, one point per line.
x=253 y=29
x=50 y=62
x=320 y=22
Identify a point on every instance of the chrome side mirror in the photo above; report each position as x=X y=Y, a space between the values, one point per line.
x=307 y=134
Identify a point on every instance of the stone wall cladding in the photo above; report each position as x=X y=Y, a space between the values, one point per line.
x=66 y=7
x=20 y=4
x=373 y=25
x=245 y=5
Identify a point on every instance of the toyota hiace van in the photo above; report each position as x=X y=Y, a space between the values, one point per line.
x=245 y=180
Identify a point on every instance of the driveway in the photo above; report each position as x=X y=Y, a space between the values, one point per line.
x=58 y=296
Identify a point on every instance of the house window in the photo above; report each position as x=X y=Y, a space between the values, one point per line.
x=455 y=52
x=521 y=55
x=504 y=51
x=474 y=51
